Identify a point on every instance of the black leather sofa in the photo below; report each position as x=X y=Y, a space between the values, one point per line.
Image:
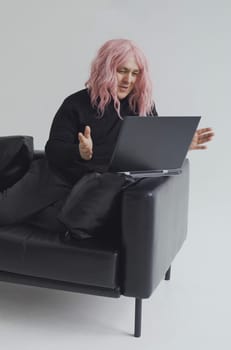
x=152 y=228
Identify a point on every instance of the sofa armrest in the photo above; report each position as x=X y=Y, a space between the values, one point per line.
x=154 y=227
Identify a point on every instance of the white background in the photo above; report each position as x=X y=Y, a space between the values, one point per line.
x=46 y=50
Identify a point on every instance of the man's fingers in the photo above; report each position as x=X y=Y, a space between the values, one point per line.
x=203 y=130
x=87 y=132
x=85 y=149
x=207 y=135
x=80 y=137
x=82 y=140
x=85 y=143
x=86 y=135
x=201 y=147
x=205 y=138
x=86 y=154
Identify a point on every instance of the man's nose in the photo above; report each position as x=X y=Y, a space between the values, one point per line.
x=128 y=78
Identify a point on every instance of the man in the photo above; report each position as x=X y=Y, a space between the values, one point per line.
x=81 y=141
x=85 y=128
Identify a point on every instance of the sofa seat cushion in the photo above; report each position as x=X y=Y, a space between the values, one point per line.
x=31 y=251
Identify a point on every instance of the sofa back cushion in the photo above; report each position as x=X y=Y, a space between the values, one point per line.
x=16 y=153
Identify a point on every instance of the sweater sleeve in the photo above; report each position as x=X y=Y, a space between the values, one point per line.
x=62 y=149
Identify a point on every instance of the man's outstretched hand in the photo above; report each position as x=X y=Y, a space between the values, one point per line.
x=200 y=138
x=85 y=144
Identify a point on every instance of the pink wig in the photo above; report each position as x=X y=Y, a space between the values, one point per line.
x=102 y=83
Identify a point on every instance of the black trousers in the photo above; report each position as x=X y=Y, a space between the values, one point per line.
x=35 y=198
x=42 y=199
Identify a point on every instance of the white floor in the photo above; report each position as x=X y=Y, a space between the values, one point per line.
x=192 y=311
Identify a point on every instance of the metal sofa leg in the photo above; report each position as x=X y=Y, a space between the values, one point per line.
x=168 y=274
x=138 y=315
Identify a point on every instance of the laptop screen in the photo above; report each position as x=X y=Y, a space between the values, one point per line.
x=151 y=143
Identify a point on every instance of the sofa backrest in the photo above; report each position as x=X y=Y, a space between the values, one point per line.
x=16 y=154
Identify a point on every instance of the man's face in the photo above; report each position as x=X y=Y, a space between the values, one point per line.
x=127 y=75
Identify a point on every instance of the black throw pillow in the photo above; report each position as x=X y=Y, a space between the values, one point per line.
x=89 y=205
x=16 y=154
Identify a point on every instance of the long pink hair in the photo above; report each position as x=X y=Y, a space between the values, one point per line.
x=102 y=83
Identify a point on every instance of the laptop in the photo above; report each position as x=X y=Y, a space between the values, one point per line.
x=153 y=146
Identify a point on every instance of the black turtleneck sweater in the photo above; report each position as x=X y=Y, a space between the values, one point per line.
x=75 y=113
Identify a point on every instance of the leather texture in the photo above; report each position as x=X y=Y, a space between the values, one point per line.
x=154 y=227
x=61 y=285
x=148 y=230
x=35 y=252
x=15 y=158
